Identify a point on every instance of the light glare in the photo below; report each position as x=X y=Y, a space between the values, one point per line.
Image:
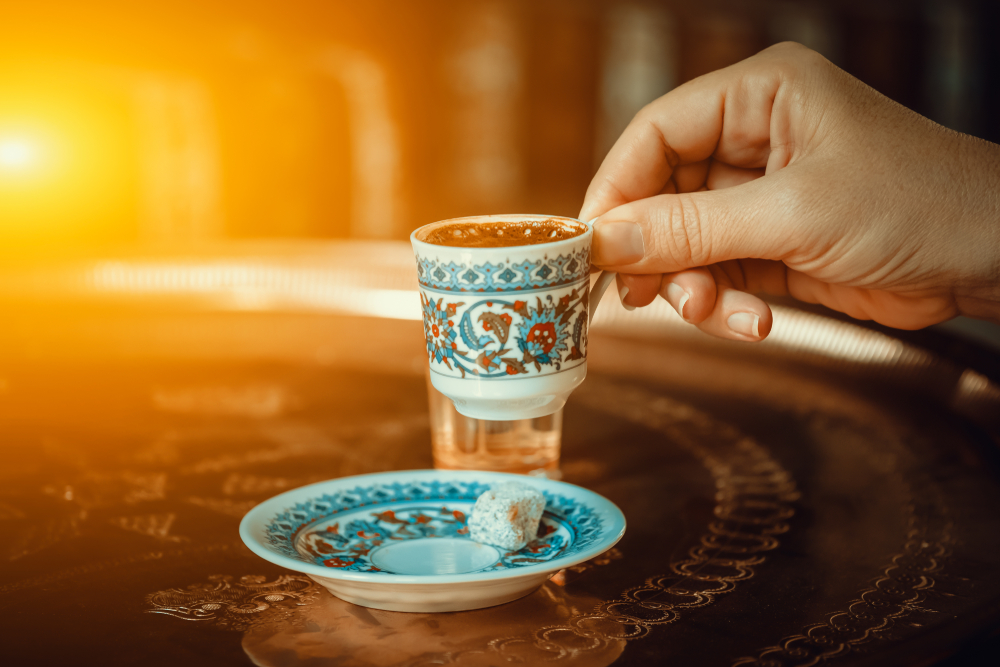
x=16 y=153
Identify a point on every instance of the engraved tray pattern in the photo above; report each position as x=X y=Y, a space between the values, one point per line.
x=827 y=497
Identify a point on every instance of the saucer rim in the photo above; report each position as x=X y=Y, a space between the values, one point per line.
x=258 y=517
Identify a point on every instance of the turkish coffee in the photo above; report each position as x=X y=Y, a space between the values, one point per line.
x=503 y=234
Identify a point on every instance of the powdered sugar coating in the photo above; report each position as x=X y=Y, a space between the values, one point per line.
x=507 y=516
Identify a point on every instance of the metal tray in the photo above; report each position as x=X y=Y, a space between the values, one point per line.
x=829 y=496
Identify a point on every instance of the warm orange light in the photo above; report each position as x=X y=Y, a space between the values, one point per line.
x=17 y=154
x=68 y=166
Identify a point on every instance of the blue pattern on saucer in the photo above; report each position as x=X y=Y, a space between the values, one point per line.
x=310 y=531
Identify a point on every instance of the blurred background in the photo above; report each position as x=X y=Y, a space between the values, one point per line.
x=185 y=122
x=206 y=296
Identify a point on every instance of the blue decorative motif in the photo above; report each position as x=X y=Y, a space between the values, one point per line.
x=526 y=269
x=383 y=513
x=506 y=276
x=439 y=330
x=488 y=270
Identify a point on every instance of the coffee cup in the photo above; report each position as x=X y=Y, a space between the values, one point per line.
x=506 y=327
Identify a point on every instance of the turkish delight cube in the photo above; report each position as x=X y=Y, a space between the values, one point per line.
x=507 y=515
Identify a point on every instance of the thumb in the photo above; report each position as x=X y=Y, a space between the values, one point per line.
x=673 y=232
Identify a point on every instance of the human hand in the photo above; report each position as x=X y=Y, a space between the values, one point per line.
x=784 y=175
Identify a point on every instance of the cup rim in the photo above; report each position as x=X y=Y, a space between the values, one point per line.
x=516 y=217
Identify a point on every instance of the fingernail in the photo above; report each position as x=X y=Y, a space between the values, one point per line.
x=617 y=243
x=678 y=297
x=622 y=293
x=744 y=324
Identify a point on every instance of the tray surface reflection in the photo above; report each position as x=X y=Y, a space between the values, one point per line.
x=785 y=512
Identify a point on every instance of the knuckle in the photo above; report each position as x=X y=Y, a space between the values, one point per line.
x=792 y=51
x=791 y=59
x=680 y=237
x=646 y=118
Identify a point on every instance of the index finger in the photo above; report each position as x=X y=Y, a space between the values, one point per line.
x=724 y=114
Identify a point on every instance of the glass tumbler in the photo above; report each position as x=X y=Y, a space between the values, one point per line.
x=524 y=446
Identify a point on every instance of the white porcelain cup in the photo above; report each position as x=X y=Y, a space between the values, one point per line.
x=506 y=328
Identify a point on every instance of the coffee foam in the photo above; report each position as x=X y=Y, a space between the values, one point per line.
x=502 y=234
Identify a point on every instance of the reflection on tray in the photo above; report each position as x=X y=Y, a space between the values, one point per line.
x=334 y=632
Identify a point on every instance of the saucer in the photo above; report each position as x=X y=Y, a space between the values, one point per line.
x=399 y=540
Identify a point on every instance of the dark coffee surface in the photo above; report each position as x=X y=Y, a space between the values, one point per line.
x=502 y=234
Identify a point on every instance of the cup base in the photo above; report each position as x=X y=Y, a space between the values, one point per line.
x=508 y=400
x=489 y=411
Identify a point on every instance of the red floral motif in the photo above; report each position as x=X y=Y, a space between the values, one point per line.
x=435 y=330
x=338 y=562
x=544 y=334
x=503 y=316
x=519 y=305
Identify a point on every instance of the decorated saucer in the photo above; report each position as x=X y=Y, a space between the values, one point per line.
x=399 y=540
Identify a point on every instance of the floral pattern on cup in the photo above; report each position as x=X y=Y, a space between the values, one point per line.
x=508 y=276
x=497 y=336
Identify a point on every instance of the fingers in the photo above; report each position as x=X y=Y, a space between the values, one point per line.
x=720 y=300
x=691 y=177
x=900 y=311
x=636 y=291
x=737 y=315
x=721 y=175
x=706 y=297
x=726 y=114
x=702 y=297
x=672 y=232
x=692 y=293
x=708 y=174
